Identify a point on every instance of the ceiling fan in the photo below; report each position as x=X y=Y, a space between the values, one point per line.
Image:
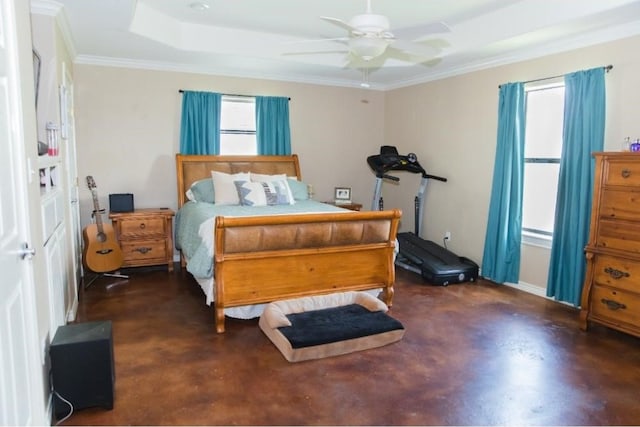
x=370 y=36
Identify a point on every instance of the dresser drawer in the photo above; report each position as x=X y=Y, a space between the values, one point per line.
x=141 y=250
x=615 y=306
x=622 y=172
x=142 y=227
x=622 y=235
x=617 y=272
x=620 y=204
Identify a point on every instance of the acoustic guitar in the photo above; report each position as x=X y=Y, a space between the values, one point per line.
x=101 y=250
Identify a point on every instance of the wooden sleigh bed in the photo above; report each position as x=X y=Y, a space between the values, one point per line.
x=265 y=258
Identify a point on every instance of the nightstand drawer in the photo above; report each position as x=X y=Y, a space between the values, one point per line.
x=144 y=250
x=142 y=227
x=615 y=306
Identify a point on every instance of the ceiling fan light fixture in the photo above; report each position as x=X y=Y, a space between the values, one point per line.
x=370 y=23
x=199 y=6
x=368 y=48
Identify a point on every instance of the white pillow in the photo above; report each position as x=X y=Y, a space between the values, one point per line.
x=225 y=189
x=264 y=193
x=256 y=177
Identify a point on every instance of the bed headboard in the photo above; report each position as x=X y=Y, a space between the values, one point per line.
x=191 y=168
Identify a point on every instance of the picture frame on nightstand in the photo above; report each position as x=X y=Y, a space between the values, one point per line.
x=342 y=195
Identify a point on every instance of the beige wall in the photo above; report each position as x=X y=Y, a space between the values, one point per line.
x=127 y=123
x=128 y=127
x=451 y=125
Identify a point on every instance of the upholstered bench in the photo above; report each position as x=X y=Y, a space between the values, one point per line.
x=329 y=325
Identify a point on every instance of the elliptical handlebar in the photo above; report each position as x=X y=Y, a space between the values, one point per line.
x=390 y=160
x=391 y=177
x=437 y=178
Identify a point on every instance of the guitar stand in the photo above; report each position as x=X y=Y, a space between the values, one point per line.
x=115 y=274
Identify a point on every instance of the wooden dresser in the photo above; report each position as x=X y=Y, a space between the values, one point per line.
x=611 y=293
x=145 y=236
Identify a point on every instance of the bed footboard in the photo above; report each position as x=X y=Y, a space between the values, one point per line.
x=262 y=259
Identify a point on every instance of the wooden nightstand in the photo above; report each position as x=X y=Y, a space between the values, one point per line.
x=145 y=236
x=351 y=206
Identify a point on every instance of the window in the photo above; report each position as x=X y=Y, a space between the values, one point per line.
x=238 y=126
x=542 y=152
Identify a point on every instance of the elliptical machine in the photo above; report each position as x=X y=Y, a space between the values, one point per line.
x=434 y=263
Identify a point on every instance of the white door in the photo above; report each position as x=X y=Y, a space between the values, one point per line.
x=66 y=111
x=21 y=389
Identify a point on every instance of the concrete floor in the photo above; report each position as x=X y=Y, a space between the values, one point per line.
x=472 y=354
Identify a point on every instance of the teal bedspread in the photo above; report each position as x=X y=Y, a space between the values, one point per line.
x=194 y=227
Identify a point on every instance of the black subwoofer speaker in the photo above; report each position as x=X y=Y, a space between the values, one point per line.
x=82 y=367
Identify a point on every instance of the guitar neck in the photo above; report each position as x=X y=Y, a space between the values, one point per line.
x=96 y=212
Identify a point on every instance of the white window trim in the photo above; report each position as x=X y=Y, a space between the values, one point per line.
x=535 y=239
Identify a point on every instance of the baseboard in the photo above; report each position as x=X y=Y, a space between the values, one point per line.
x=529 y=288
x=73 y=310
x=536 y=290
x=49 y=408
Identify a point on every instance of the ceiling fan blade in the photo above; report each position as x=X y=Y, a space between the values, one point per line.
x=420 y=31
x=340 y=23
x=332 y=39
x=316 y=52
x=416 y=49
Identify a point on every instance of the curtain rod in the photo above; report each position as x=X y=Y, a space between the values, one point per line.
x=231 y=94
x=606 y=68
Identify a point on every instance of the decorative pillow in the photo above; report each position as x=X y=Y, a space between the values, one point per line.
x=224 y=188
x=298 y=189
x=201 y=191
x=264 y=193
x=257 y=177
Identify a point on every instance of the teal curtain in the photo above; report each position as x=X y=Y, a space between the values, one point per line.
x=501 y=258
x=583 y=134
x=272 y=125
x=200 y=124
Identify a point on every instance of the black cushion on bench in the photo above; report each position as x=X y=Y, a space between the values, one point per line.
x=334 y=324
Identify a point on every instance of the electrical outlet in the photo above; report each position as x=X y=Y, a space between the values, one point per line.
x=447 y=236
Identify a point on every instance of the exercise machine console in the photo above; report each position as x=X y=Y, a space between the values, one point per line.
x=434 y=263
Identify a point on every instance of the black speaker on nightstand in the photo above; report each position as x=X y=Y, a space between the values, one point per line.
x=82 y=366
x=122 y=202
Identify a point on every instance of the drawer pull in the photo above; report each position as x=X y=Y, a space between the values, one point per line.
x=626 y=173
x=143 y=226
x=143 y=250
x=616 y=274
x=613 y=305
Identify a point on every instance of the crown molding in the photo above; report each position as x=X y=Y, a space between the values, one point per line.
x=585 y=40
x=46 y=7
x=188 y=68
x=56 y=10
